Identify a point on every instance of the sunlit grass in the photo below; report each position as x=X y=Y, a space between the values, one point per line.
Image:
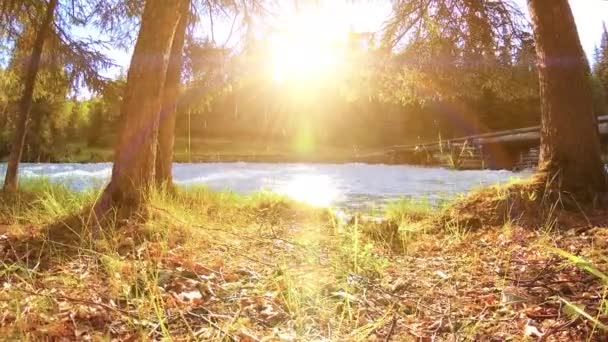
x=216 y=265
x=40 y=201
x=408 y=209
x=218 y=230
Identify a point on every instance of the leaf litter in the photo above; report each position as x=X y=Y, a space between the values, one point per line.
x=300 y=279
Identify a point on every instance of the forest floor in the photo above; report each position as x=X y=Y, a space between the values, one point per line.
x=217 y=266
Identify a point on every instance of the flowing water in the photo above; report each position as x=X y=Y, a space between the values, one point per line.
x=352 y=186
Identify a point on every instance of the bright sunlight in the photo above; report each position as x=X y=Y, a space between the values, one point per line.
x=309 y=46
x=315 y=190
x=303 y=170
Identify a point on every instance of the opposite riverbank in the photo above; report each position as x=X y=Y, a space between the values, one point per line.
x=218 y=266
x=202 y=150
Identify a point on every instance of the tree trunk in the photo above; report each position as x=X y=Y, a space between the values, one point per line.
x=570 y=156
x=25 y=103
x=135 y=151
x=166 y=130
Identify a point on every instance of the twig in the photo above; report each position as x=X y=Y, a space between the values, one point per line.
x=391 y=330
x=417 y=303
x=213 y=325
x=251 y=259
x=449 y=314
x=79 y=301
x=531 y=282
x=557 y=329
x=536 y=278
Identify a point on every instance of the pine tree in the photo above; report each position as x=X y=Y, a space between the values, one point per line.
x=25 y=103
x=570 y=157
x=171 y=89
x=75 y=120
x=601 y=62
x=50 y=23
x=133 y=173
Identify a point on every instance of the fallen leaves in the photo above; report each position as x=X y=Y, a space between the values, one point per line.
x=495 y=284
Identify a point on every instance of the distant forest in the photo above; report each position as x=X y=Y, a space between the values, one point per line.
x=434 y=89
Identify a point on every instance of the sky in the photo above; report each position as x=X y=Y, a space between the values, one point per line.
x=589 y=15
x=368 y=16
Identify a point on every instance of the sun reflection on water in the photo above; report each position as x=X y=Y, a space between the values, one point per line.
x=316 y=190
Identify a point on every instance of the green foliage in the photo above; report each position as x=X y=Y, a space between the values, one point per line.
x=8 y=82
x=600 y=75
x=103 y=115
x=600 y=101
x=97 y=122
x=77 y=121
x=49 y=116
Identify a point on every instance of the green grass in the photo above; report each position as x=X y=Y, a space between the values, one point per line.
x=40 y=202
x=407 y=209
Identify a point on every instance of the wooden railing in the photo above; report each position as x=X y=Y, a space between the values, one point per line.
x=485 y=138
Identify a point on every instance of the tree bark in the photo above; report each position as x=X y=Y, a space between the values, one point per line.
x=25 y=103
x=570 y=156
x=166 y=130
x=135 y=151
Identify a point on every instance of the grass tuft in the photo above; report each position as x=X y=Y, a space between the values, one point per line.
x=220 y=266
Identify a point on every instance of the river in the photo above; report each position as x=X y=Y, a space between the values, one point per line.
x=353 y=186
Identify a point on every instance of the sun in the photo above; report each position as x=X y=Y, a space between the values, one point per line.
x=309 y=46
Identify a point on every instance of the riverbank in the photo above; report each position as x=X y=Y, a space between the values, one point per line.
x=208 y=150
x=220 y=150
x=217 y=266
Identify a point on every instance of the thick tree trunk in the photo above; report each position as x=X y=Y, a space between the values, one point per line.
x=166 y=130
x=25 y=103
x=135 y=152
x=570 y=156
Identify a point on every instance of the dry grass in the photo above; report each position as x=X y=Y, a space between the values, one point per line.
x=217 y=266
x=525 y=203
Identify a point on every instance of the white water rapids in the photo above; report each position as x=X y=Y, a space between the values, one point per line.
x=353 y=186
